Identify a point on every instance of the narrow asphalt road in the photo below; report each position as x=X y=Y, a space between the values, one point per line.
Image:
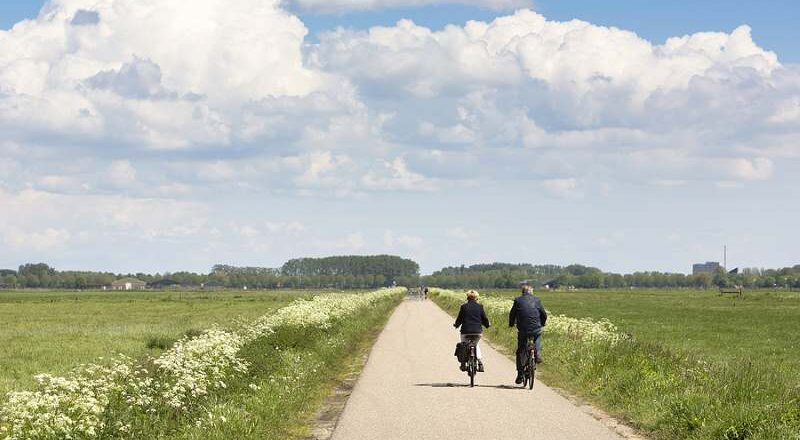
x=411 y=388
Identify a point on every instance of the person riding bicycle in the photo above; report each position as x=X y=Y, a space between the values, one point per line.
x=472 y=318
x=529 y=316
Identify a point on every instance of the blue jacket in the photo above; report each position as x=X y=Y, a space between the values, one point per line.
x=527 y=314
x=471 y=317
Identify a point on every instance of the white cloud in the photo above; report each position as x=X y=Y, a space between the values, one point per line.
x=121 y=173
x=43 y=221
x=46 y=240
x=395 y=176
x=566 y=188
x=756 y=169
x=390 y=240
x=132 y=120
x=149 y=71
x=331 y=6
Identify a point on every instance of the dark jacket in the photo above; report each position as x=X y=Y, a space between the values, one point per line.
x=527 y=314
x=471 y=317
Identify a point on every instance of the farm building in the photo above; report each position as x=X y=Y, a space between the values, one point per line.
x=128 y=284
x=707 y=267
x=551 y=284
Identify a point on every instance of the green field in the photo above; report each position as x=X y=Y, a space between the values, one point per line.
x=762 y=327
x=52 y=332
x=697 y=365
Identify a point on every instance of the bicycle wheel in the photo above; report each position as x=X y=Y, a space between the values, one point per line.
x=531 y=369
x=472 y=369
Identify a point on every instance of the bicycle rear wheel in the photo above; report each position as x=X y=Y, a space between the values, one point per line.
x=472 y=370
x=532 y=373
x=531 y=368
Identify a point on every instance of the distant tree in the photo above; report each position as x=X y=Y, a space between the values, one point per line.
x=9 y=280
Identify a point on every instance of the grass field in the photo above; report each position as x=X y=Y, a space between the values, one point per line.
x=53 y=332
x=695 y=366
x=260 y=376
x=762 y=327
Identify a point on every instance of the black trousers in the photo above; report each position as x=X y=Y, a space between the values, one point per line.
x=522 y=348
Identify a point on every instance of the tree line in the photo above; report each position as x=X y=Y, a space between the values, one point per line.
x=346 y=272
x=343 y=272
x=503 y=275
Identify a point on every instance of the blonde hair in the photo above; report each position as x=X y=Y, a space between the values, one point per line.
x=472 y=294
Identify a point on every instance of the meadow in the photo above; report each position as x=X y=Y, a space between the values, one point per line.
x=762 y=326
x=254 y=377
x=677 y=364
x=54 y=331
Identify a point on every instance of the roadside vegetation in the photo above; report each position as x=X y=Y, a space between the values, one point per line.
x=256 y=378
x=53 y=331
x=677 y=365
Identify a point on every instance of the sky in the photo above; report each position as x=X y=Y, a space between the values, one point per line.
x=163 y=135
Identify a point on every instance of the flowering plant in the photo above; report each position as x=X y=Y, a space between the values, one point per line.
x=81 y=405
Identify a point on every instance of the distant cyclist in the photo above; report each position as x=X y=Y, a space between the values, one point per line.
x=471 y=318
x=529 y=316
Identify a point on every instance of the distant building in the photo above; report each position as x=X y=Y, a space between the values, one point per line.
x=128 y=284
x=707 y=267
x=551 y=284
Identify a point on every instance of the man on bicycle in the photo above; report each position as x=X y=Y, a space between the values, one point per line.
x=472 y=318
x=529 y=316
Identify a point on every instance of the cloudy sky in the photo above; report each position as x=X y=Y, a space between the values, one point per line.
x=164 y=135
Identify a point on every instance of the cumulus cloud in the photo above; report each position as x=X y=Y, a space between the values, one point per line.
x=56 y=70
x=395 y=176
x=183 y=105
x=347 y=5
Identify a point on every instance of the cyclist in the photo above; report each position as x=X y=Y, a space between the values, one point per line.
x=529 y=316
x=472 y=318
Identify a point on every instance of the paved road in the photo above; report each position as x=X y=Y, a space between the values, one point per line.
x=411 y=388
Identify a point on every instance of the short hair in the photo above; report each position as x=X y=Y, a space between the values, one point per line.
x=472 y=294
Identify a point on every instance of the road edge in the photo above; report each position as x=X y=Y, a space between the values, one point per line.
x=323 y=424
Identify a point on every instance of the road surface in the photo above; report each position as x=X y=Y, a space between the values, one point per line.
x=411 y=388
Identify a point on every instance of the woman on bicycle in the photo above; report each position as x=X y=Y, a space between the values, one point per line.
x=472 y=318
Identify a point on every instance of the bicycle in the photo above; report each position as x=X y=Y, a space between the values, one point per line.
x=472 y=357
x=530 y=365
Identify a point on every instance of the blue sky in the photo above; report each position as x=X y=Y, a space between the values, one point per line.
x=174 y=135
x=774 y=22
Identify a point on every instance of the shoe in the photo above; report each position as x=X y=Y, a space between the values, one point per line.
x=519 y=379
x=538 y=359
x=480 y=367
x=463 y=366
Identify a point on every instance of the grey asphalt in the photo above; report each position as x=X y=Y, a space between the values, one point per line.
x=411 y=388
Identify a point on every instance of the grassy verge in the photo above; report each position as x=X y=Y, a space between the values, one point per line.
x=293 y=372
x=668 y=393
